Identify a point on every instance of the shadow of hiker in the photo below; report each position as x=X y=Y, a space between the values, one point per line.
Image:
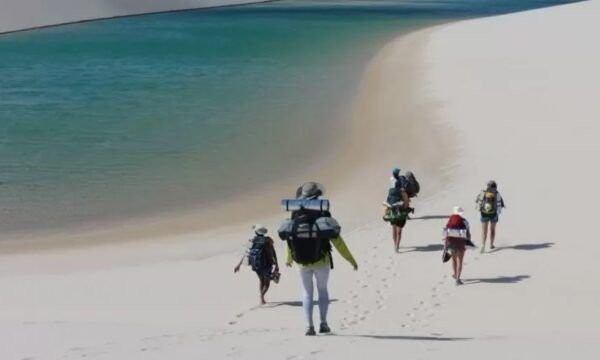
x=409 y=337
x=430 y=217
x=295 y=303
x=425 y=248
x=525 y=247
x=498 y=280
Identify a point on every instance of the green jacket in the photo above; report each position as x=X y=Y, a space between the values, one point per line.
x=340 y=246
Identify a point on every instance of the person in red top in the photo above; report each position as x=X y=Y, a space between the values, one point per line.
x=458 y=235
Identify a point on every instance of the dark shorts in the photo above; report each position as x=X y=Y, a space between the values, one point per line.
x=489 y=218
x=400 y=222
x=456 y=244
x=264 y=272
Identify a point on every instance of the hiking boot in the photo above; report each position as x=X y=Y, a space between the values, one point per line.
x=459 y=282
x=324 y=328
x=310 y=331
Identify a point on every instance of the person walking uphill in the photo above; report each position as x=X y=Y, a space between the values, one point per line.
x=397 y=206
x=458 y=235
x=309 y=233
x=262 y=258
x=490 y=203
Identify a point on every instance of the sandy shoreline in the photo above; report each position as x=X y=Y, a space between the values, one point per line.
x=510 y=97
x=363 y=146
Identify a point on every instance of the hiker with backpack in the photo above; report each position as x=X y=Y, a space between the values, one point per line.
x=309 y=232
x=457 y=236
x=397 y=205
x=262 y=258
x=490 y=204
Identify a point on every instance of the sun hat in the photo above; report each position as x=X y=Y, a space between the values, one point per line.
x=458 y=211
x=311 y=190
x=259 y=229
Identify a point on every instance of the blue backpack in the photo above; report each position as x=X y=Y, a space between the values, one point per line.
x=257 y=255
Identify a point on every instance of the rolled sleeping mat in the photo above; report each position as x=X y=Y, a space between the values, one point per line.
x=305 y=204
x=456 y=233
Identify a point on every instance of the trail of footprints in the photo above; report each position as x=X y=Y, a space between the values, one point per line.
x=375 y=287
x=419 y=317
x=357 y=310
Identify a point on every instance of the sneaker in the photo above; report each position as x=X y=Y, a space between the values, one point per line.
x=310 y=331
x=324 y=329
x=482 y=250
x=459 y=282
x=492 y=247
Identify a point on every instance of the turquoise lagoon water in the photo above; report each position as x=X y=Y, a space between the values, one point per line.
x=168 y=111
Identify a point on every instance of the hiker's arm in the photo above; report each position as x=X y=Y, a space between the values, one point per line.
x=405 y=199
x=237 y=267
x=289 y=260
x=274 y=254
x=341 y=247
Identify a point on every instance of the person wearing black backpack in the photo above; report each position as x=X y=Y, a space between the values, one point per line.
x=490 y=203
x=309 y=234
x=397 y=206
x=262 y=258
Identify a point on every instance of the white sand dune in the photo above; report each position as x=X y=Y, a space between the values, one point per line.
x=513 y=98
x=26 y=14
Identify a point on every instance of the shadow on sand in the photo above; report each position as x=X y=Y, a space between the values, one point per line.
x=425 y=248
x=430 y=217
x=294 y=303
x=526 y=247
x=498 y=280
x=408 y=337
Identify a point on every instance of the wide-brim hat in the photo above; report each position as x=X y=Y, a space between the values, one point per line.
x=310 y=190
x=259 y=229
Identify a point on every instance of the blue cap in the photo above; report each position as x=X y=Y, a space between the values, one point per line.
x=396 y=171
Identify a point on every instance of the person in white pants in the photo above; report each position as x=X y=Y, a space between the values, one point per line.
x=320 y=272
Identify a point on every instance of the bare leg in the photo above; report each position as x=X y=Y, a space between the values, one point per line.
x=395 y=237
x=461 y=255
x=454 y=264
x=264 y=283
x=484 y=227
x=492 y=234
x=399 y=237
